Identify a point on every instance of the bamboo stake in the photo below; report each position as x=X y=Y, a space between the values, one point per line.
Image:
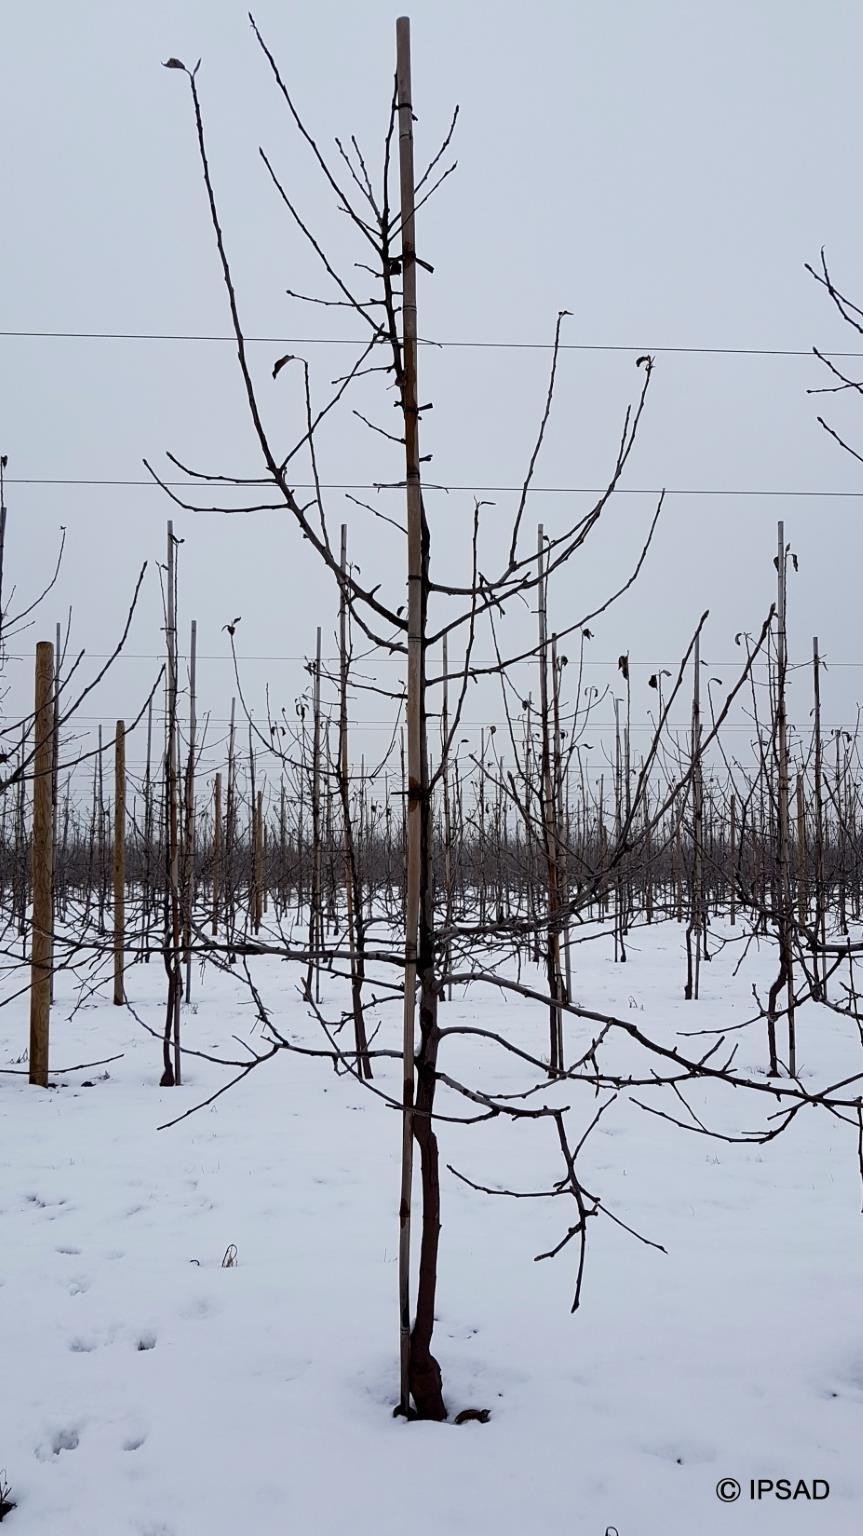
x=415 y=668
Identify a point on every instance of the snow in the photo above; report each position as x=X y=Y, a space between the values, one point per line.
x=146 y=1389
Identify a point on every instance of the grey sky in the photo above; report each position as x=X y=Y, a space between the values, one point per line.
x=661 y=169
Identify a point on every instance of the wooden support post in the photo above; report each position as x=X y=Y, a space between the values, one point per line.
x=802 y=871
x=447 y=813
x=217 y=851
x=549 y=826
x=786 y=907
x=230 y=827
x=189 y=835
x=43 y=864
x=819 y=936
x=316 y=906
x=695 y=927
x=54 y=793
x=732 y=861
x=119 y=862
x=149 y=823
x=259 y=861
x=172 y=1074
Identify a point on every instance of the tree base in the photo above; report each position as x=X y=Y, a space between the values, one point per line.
x=426 y=1385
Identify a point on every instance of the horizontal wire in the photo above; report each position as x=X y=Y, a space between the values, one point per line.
x=474 y=725
x=352 y=485
x=365 y=661
x=344 y=341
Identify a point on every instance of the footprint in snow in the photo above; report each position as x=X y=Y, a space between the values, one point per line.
x=134 y=1442
x=198 y=1307
x=847 y=1378
x=43 y=1204
x=62 y=1440
x=683 y=1453
x=147 y=1340
x=79 y=1285
x=67 y=1249
x=65 y=1440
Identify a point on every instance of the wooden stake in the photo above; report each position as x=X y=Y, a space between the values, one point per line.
x=819 y=926
x=149 y=824
x=316 y=898
x=54 y=790
x=732 y=860
x=695 y=926
x=189 y=840
x=550 y=831
x=353 y=886
x=230 y=826
x=447 y=815
x=2 y=540
x=802 y=872
x=217 y=850
x=783 y=847
x=43 y=865
x=119 y=865
x=171 y=1076
x=259 y=861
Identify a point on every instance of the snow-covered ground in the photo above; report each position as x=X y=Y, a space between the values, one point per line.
x=148 y=1390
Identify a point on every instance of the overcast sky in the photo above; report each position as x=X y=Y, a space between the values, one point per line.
x=661 y=168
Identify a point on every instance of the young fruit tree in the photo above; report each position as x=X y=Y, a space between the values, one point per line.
x=433 y=939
